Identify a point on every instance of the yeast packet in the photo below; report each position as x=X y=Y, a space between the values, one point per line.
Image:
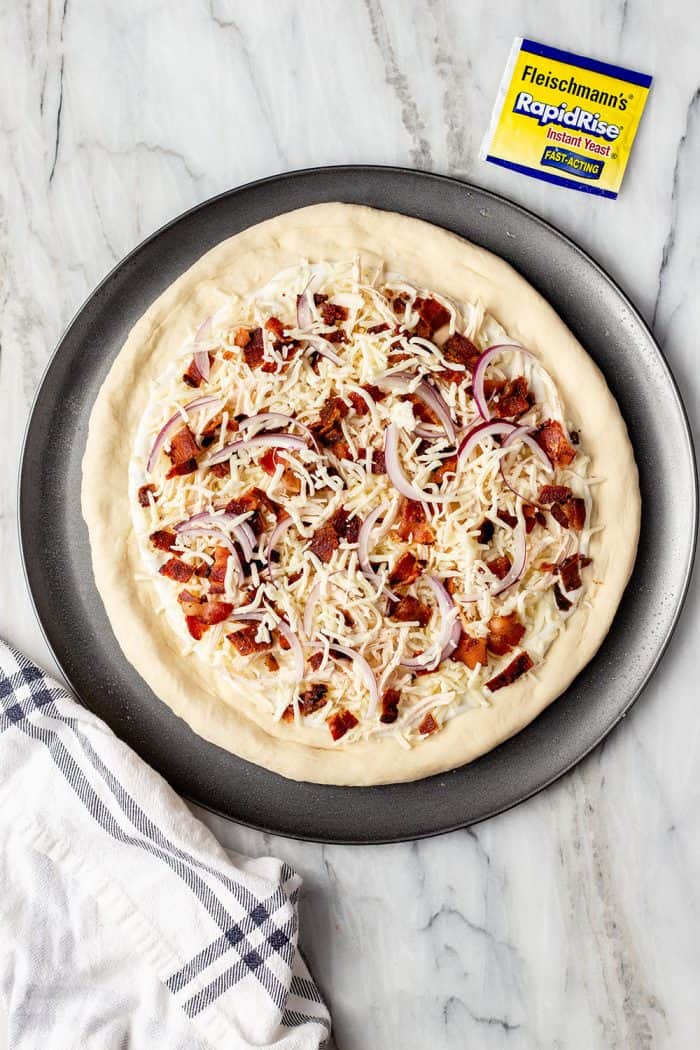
x=565 y=118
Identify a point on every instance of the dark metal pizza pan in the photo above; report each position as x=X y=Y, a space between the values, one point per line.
x=57 y=558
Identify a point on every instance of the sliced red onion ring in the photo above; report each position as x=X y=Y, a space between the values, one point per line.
x=478 y=433
x=428 y=660
x=363 y=546
x=449 y=633
x=275 y=536
x=283 y=627
x=437 y=404
x=395 y=470
x=247 y=539
x=174 y=423
x=265 y=420
x=480 y=373
x=205 y=517
x=224 y=540
x=323 y=347
x=201 y=357
x=427 y=394
x=366 y=672
x=524 y=434
x=424 y=430
x=203 y=402
x=267 y=440
x=519 y=560
x=363 y=538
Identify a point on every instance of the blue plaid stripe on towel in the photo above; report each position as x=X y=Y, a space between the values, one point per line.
x=123 y=922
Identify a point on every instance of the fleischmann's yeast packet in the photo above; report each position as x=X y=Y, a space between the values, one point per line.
x=566 y=119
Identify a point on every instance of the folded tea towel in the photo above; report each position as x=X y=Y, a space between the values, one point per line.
x=123 y=923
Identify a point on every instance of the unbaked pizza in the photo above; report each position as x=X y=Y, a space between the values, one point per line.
x=358 y=510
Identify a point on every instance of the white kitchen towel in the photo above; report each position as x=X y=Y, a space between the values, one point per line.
x=123 y=923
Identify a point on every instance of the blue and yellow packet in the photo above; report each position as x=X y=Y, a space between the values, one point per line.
x=566 y=119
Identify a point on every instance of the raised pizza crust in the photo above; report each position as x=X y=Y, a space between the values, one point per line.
x=226 y=712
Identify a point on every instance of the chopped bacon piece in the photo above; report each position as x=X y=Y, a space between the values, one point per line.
x=288 y=713
x=493 y=386
x=551 y=437
x=245 y=642
x=554 y=494
x=390 y=706
x=359 y=403
x=408 y=608
x=413 y=524
x=499 y=566
x=242 y=337
x=211 y=430
x=338 y=337
x=324 y=542
x=428 y=725
x=561 y=600
x=520 y=665
x=193 y=377
x=505 y=632
x=486 y=531
x=375 y=392
x=195 y=627
x=515 y=398
x=269 y=460
x=332 y=313
x=433 y=315
x=569 y=571
x=377 y=328
x=327 y=428
x=183 y=447
x=399 y=304
x=274 y=325
x=202 y=570
x=451 y=375
x=188 y=467
x=142 y=495
x=378 y=461
x=340 y=723
x=252 y=502
x=576 y=513
x=470 y=651
x=346 y=527
x=406 y=570
x=447 y=467
x=163 y=540
x=217 y=573
x=508 y=519
x=214 y=612
x=175 y=569
x=313 y=698
x=571 y=514
x=461 y=350
x=315 y=661
x=190 y=602
x=533 y=517
x=221 y=470
x=254 y=352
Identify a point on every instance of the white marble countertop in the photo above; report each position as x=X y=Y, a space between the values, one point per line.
x=572 y=921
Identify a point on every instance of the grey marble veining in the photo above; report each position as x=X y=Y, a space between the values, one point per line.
x=571 y=922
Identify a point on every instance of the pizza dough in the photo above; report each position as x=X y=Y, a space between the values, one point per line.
x=225 y=712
